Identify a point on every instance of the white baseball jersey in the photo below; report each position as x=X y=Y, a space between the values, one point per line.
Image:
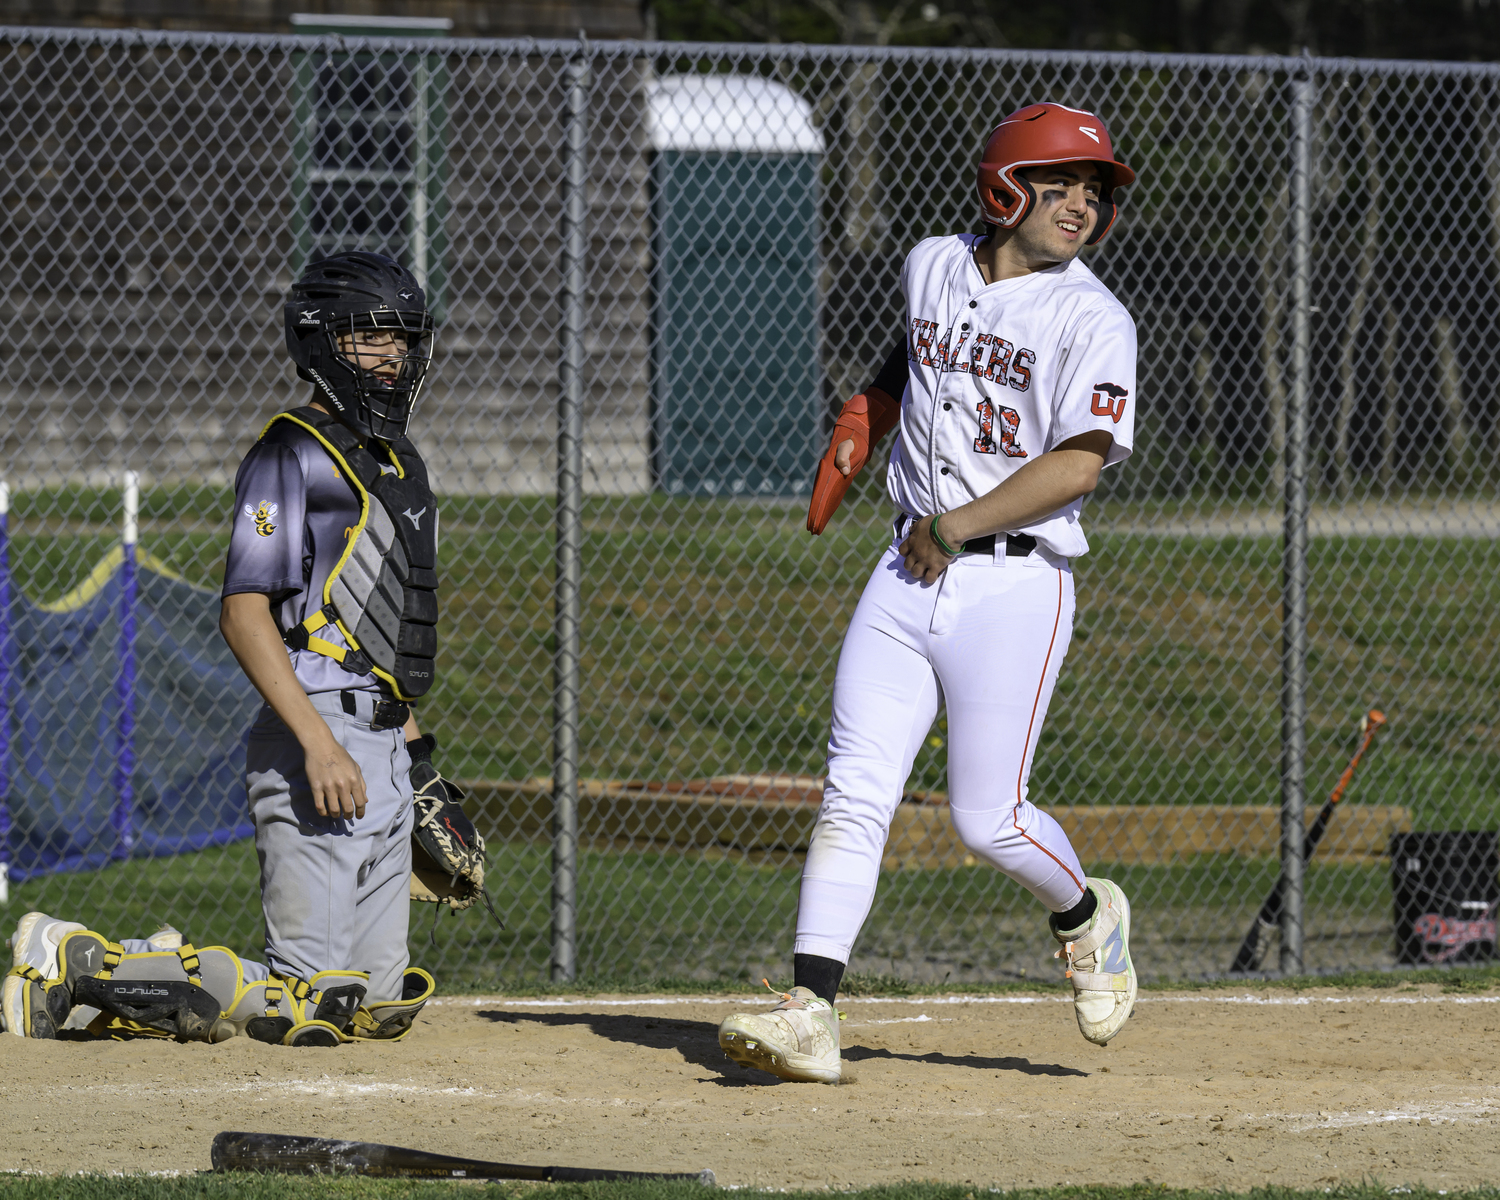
x=1001 y=373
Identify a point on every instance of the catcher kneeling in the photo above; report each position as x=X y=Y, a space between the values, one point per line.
x=330 y=606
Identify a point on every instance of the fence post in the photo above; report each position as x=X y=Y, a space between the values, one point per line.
x=124 y=815
x=6 y=684
x=1294 y=543
x=569 y=549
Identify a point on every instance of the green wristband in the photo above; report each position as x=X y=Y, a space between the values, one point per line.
x=938 y=538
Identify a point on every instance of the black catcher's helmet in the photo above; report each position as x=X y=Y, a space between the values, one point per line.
x=349 y=293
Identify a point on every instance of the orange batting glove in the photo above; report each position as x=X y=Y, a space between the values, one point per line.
x=865 y=419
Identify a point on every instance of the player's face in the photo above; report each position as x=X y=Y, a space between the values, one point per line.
x=1066 y=210
x=376 y=350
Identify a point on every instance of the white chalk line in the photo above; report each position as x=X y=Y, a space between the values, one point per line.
x=724 y=1001
x=934 y=1001
x=331 y=1088
x=38 y=1171
x=1295 y=1001
x=340 y=1089
x=1466 y=1112
x=1470 y=1112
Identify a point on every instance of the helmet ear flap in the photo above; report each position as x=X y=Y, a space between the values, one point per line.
x=1004 y=199
x=1027 y=200
x=1108 y=211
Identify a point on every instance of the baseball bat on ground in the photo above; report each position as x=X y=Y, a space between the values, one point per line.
x=1248 y=958
x=288 y=1154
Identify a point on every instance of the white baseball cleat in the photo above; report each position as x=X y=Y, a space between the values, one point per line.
x=797 y=1040
x=35 y=942
x=1098 y=958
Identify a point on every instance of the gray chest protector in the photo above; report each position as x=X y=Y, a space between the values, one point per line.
x=382 y=594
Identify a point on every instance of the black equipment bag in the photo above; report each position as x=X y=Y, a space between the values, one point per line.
x=1446 y=887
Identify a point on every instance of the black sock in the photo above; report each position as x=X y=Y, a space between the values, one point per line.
x=820 y=975
x=1078 y=914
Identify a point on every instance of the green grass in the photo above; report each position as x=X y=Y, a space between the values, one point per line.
x=250 y=1187
x=711 y=630
x=653 y=922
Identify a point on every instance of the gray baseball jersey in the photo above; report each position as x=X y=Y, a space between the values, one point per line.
x=293 y=512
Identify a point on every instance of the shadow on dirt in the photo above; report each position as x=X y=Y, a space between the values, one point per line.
x=698 y=1043
x=976 y=1062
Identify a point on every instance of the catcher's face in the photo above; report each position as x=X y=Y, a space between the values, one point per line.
x=379 y=351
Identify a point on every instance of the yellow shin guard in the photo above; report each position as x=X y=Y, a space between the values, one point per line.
x=298 y=1012
x=34 y=1007
x=391 y=1020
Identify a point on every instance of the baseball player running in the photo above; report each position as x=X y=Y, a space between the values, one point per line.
x=1015 y=377
x=330 y=606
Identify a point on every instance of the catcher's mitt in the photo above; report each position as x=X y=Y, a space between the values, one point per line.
x=447 y=853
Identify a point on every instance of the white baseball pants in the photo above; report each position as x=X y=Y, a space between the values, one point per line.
x=985 y=642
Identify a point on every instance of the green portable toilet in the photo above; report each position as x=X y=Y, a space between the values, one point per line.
x=736 y=388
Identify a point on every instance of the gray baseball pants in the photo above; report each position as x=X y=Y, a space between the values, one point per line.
x=334 y=891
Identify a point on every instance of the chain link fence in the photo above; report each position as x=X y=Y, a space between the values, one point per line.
x=747 y=212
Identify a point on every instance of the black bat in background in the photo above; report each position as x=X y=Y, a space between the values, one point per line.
x=1248 y=958
x=291 y=1155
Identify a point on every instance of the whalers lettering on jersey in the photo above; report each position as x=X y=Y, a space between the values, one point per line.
x=990 y=356
x=1001 y=373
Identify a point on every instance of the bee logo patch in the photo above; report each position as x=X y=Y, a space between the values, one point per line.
x=262 y=514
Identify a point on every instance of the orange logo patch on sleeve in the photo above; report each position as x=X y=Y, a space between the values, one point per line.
x=1109 y=401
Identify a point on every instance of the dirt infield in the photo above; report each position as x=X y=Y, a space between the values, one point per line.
x=1226 y=1090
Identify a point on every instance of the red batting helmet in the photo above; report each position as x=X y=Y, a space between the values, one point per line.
x=1034 y=136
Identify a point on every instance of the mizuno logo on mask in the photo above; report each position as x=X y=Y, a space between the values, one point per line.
x=310 y=316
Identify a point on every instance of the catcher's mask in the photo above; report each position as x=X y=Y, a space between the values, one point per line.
x=1042 y=135
x=357 y=325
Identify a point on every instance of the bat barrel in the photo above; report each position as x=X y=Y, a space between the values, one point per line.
x=288 y=1154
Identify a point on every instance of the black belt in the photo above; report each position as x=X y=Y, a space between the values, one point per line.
x=1017 y=545
x=389 y=714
